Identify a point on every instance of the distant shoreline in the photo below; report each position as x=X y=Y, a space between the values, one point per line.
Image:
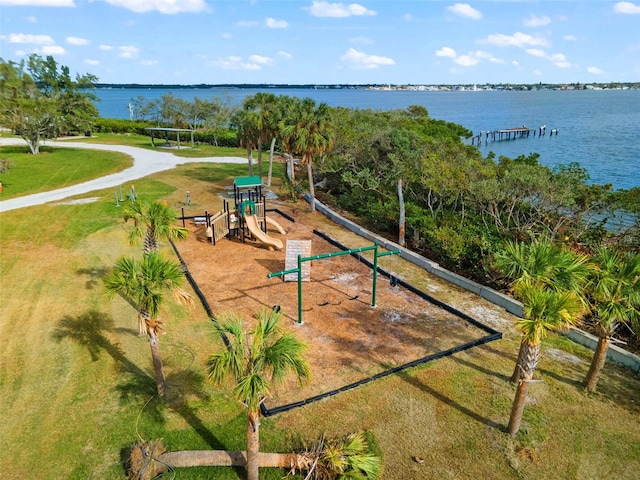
x=389 y=87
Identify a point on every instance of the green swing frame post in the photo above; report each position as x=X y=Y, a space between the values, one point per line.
x=302 y=259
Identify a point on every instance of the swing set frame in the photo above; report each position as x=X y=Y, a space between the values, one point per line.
x=301 y=260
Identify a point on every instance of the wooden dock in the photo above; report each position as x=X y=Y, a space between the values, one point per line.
x=510 y=134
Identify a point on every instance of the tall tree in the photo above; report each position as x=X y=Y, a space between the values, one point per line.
x=287 y=112
x=614 y=294
x=220 y=117
x=40 y=100
x=308 y=132
x=544 y=263
x=262 y=107
x=247 y=127
x=545 y=310
x=153 y=221
x=145 y=284
x=314 y=136
x=256 y=360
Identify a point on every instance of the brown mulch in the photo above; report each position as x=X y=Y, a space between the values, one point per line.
x=348 y=339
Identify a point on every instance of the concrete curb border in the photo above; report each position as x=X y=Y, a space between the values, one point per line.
x=615 y=353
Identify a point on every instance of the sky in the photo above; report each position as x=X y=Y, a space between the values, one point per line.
x=419 y=42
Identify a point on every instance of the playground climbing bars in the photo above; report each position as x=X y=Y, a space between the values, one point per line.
x=302 y=259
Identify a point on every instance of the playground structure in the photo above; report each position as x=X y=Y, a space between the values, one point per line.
x=301 y=260
x=245 y=219
x=350 y=343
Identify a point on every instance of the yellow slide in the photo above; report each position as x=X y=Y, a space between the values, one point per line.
x=276 y=225
x=254 y=228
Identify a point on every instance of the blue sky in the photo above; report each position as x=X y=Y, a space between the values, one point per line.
x=305 y=41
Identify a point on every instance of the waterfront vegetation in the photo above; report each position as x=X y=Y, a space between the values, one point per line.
x=402 y=173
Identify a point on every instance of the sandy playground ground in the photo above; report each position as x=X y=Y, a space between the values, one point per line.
x=348 y=340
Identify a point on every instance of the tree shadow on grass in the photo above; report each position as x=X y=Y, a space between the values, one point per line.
x=91 y=330
x=411 y=380
x=480 y=368
x=94 y=274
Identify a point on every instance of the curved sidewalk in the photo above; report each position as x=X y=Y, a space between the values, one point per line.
x=145 y=162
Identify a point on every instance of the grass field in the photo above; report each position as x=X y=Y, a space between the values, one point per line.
x=142 y=141
x=76 y=386
x=54 y=168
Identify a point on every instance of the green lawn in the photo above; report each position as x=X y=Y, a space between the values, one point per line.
x=54 y=168
x=142 y=141
x=76 y=386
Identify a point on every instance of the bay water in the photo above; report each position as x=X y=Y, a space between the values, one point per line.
x=599 y=129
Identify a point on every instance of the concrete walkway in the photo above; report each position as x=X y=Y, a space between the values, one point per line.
x=145 y=162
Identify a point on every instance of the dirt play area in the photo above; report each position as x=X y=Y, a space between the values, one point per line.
x=348 y=339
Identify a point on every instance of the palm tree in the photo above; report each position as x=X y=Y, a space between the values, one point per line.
x=262 y=106
x=345 y=458
x=545 y=310
x=545 y=263
x=256 y=360
x=614 y=294
x=246 y=123
x=350 y=457
x=153 y=220
x=309 y=133
x=287 y=112
x=144 y=283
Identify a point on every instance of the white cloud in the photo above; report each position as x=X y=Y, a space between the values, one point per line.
x=326 y=9
x=558 y=59
x=28 y=38
x=38 y=3
x=53 y=50
x=169 y=7
x=407 y=17
x=627 y=8
x=106 y=48
x=465 y=10
x=518 y=39
x=284 y=54
x=260 y=60
x=570 y=38
x=235 y=63
x=595 y=70
x=149 y=63
x=536 y=52
x=536 y=21
x=446 y=52
x=466 y=60
x=32 y=19
x=482 y=54
x=226 y=35
x=127 y=51
x=77 y=41
x=92 y=62
x=273 y=23
x=247 y=23
x=363 y=61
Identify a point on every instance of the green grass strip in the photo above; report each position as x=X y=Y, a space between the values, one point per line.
x=55 y=168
